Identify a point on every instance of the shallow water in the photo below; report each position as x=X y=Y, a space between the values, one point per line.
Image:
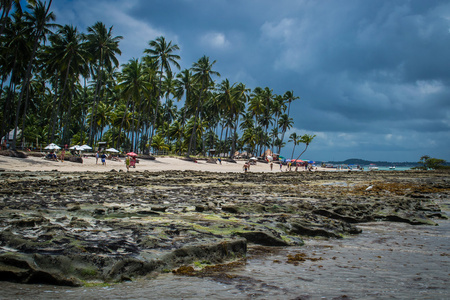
x=386 y=261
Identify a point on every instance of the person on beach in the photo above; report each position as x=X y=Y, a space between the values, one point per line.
x=220 y=161
x=281 y=167
x=97 y=155
x=63 y=153
x=246 y=167
x=127 y=163
x=103 y=159
x=271 y=166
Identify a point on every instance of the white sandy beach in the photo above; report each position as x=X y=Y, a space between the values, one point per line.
x=160 y=164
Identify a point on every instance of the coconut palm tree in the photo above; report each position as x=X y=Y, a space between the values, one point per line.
x=289 y=97
x=306 y=139
x=202 y=70
x=237 y=106
x=184 y=87
x=69 y=55
x=133 y=85
x=284 y=123
x=163 y=53
x=295 y=139
x=38 y=20
x=6 y=6
x=15 y=53
x=103 y=48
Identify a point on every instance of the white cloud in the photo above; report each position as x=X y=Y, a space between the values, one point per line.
x=215 y=40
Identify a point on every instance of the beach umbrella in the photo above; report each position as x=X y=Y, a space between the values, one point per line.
x=76 y=147
x=253 y=158
x=85 y=147
x=269 y=158
x=112 y=150
x=131 y=154
x=52 y=147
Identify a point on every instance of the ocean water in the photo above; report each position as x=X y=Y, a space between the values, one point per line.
x=387 y=261
x=366 y=168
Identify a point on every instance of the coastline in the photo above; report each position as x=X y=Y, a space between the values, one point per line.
x=160 y=164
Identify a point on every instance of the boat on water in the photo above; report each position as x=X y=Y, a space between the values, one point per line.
x=392 y=168
x=373 y=167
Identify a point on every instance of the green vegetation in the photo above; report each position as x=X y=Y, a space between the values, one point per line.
x=427 y=163
x=65 y=86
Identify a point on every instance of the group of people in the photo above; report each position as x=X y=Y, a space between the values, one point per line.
x=52 y=155
x=130 y=161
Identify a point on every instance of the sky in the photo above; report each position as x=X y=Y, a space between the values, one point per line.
x=373 y=77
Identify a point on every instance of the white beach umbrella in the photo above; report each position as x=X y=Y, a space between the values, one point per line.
x=253 y=158
x=269 y=158
x=112 y=150
x=52 y=147
x=76 y=147
x=85 y=147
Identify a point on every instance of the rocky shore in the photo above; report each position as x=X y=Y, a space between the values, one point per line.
x=80 y=228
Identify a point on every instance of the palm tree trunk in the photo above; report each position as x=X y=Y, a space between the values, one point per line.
x=121 y=123
x=157 y=107
x=96 y=99
x=303 y=152
x=195 y=120
x=293 y=149
x=55 y=114
x=65 y=139
x=83 y=113
x=233 y=146
x=7 y=105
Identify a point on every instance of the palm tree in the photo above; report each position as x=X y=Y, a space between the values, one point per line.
x=39 y=22
x=306 y=139
x=15 y=53
x=184 y=86
x=295 y=139
x=285 y=123
x=202 y=74
x=237 y=106
x=6 y=6
x=68 y=54
x=134 y=85
x=103 y=48
x=162 y=52
x=289 y=96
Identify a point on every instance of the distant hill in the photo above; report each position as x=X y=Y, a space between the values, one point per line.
x=362 y=162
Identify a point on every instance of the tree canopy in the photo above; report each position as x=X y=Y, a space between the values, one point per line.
x=62 y=85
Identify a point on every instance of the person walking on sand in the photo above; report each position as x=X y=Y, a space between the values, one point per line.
x=103 y=159
x=63 y=153
x=127 y=163
x=271 y=166
x=96 y=157
x=281 y=167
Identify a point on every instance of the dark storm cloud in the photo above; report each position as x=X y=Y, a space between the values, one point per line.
x=373 y=76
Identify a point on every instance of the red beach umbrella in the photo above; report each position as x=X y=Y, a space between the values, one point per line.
x=131 y=154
